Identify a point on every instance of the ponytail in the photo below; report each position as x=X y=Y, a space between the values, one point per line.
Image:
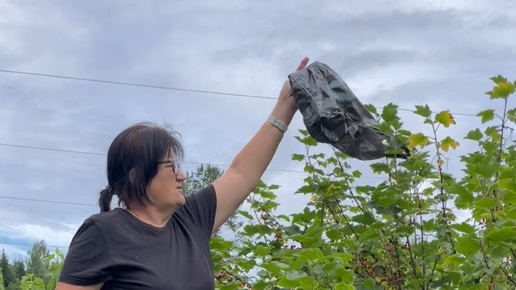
x=106 y=195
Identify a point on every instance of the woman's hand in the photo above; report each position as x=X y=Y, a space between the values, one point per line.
x=286 y=108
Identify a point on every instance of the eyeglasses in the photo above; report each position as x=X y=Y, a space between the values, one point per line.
x=175 y=165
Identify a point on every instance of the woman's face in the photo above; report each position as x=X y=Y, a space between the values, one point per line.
x=165 y=188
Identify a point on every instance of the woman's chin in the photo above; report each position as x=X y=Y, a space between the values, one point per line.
x=180 y=200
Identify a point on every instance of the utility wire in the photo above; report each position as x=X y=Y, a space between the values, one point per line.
x=135 y=84
x=46 y=201
x=169 y=88
x=50 y=149
x=100 y=154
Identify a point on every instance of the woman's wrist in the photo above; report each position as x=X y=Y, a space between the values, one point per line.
x=284 y=112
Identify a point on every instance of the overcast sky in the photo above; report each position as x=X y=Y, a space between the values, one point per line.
x=439 y=53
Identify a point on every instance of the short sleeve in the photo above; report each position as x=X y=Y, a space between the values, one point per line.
x=201 y=206
x=88 y=260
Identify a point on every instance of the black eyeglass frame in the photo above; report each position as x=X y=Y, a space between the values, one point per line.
x=176 y=166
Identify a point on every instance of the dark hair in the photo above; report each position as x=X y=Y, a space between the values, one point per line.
x=132 y=162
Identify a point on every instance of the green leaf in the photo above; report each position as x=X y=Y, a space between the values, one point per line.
x=499 y=235
x=510 y=212
x=384 y=199
x=344 y=286
x=245 y=214
x=371 y=109
x=334 y=234
x=262 y=251
x=509 y=184
x=404 y=133
x=298 y=157
x=418 y=139
x=453 y=261
x=366 y=218
x=487 y=115
x=467 y=245
x=310 y=254
x=284 y=217
x=274 y=267
x=511 y=114
x=309 y=188
x=310 y=141
x=464 y=227
x=487 y=168
x=380 y=168
x=356 y=173
x=292 y=230
x=287 y=283
x=293 y=274
x=445 y=118
x=307 y=282
x=498 y=79
x=268 y=195
x=369 y=283
x=502 y=90
x=448 y=142
x=423 y=111
x=389 y=113
x=474 y=135
x=345 y=275
x=486 y=202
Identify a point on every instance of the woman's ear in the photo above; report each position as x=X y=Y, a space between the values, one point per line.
x=132 y=176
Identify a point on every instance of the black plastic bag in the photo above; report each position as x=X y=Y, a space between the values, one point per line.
x=333 y=114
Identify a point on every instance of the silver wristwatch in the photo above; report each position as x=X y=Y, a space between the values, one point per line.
x=278 y=124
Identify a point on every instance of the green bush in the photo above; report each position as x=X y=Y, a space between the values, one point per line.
x=401 y=233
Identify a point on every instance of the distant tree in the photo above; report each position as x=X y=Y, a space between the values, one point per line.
x=36 y=260
x=18 y=271
x=15 y=285
x=7 y=270
x=18 y=268
x=203 y=176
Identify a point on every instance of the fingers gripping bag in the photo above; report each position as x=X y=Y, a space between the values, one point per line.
x=333 y=115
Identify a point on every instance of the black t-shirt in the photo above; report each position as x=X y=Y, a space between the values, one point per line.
x=125 y=253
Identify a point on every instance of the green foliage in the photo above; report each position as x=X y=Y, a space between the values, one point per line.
x=399 y=233
x=402 y=233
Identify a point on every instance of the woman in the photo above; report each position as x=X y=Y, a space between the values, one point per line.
x=158 y=239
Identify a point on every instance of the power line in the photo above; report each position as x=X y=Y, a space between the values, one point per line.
x=135 y=84
x=101 y=154
x=50 y=149
x=46 y=201
x=170 y=88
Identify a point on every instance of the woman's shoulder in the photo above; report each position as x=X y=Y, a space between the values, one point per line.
x=105 y=222
x=105 y=218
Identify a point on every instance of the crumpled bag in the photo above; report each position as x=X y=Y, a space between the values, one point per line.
x=333 y=115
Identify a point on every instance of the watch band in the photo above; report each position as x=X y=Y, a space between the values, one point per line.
x=278 y=124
